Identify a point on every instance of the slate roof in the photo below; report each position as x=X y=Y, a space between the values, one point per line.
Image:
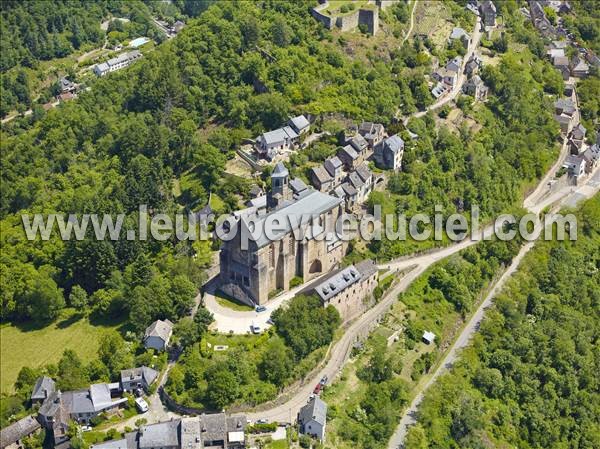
x=580 y=65
x=560 y=61
x=337 y=282
x=280 y=171
x=51 y=406
x=332 y=164
x=278 y=135
x=44 y=386
x=358 y=142
x=143 y=372
x=566 y=105
x=394 y=143
x=366 y=268
x=299 y=123
x=297 y=185
x=316 y=410
x=579 y=131
x=310 y=202
x=458 y=33
x=363 y=172
x=160 y=329
x=159 y=435
x=348 y=189
x=349 y=151
x=321 y=174
x=355 y=180
x=18 y=430
x=213 y=427
x=454 y=64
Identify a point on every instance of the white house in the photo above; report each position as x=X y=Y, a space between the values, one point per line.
x=312 y=418
x=158 y=334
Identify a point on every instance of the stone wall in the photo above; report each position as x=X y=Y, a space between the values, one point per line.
x=348 y=22
x=324 y=19
x=368 y=15
x=370 y=18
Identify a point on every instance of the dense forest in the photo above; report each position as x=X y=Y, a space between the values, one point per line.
x=530 y=378
x=122 y=143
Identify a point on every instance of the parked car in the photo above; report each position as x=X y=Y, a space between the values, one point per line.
x=255 y=329
x=139 y=392
x=260 y=309
x=141 y=405
x=86 y=428
x=324 y=380
x=262 y=421
x=317 y=389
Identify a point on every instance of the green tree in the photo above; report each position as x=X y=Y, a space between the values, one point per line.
x=78 y=298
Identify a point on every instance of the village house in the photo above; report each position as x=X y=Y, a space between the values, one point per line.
x=300 y=124
x=473 y=65
x=270 y=260
x=350 y=157
x=134 y=378
x=591 y=156
x=388 y=154
x=460 y=34
x=579 y=68
x=271 y=143
x=576 y=167
x=358 y=142
x=214 y=431
x=67 y=85
x=11 y=436
x=158 y=334
x=373 y=133
x=312 y=419
x=321 y=179
x=348 y=289
x=487 y=10
x=44 y=387
x=81 y=406
x=335 y=168
x=578 y=132
x=564 y=114
x=476 y=88
x=118 y=63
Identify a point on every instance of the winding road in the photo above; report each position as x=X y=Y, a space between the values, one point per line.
x=286 y=407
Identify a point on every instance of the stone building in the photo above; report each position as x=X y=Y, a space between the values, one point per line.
x=294 y=237
x=348 y=290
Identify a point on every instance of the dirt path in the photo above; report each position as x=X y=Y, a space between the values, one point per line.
x=412 y=22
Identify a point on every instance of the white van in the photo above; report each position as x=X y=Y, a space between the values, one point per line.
x=141 y=405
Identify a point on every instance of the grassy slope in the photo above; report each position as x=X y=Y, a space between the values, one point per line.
x=28 y=346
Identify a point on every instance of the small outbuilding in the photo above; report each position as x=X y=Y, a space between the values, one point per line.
x=428 y=337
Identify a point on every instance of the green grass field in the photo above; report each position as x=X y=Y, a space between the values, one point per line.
x=25 y=345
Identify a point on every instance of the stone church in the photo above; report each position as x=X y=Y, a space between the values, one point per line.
x=304 y=244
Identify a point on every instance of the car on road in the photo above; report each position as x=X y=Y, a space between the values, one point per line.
x=262 y=421
x=260 y=309
x=324 y=380
x=141 y=405
x=255 y=329
x=317 y=389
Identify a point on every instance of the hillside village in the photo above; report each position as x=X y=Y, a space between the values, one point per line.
x=247 y=288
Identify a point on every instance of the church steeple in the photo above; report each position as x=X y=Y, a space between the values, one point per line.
x=280 y=188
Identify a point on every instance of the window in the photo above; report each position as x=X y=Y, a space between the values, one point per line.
x=292 y=246
x=246 y=281
x=272 y=255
